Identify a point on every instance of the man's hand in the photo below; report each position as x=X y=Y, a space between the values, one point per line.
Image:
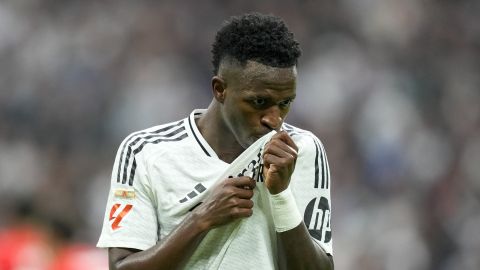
x=279 y=159
x=229 y=200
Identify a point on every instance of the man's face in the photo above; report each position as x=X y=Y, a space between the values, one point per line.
x=257 y=100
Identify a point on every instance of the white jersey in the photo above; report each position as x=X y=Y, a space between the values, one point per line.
x=162 y=173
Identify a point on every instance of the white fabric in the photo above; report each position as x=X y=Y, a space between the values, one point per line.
x=236 y=238
x=284 y=211
x=166 y=186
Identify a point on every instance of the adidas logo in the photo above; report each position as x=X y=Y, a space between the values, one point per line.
x=199 y=188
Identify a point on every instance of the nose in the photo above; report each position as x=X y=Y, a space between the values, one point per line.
x=272 y=118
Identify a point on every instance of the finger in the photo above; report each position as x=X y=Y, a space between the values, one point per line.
x=241 y=212
x=284 y=137
x=245 y=203
x=273 y=169
x=269 y=159
x=242 y=182
x=280 y=149
x=242 y=193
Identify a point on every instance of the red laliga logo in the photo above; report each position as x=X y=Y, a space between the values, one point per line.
x=118 y=218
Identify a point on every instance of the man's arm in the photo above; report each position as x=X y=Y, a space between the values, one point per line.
x=229 y=200
x=296 y=248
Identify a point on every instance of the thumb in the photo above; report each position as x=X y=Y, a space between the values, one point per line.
x=269 y=171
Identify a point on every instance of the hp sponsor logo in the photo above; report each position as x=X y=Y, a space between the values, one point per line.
x=317 y=219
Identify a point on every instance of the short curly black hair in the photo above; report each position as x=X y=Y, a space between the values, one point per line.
x=258 y=37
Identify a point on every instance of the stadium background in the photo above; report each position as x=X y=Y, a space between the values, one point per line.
x=391 y=87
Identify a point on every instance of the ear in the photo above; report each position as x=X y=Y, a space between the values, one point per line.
x=218 y=88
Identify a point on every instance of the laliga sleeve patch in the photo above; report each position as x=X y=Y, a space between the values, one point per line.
x=124 y=194
x=117 y=213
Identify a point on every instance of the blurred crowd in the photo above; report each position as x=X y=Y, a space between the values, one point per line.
x=392 y=88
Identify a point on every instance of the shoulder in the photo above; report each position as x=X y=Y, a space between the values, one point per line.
x=164 y=130
x=136 y=141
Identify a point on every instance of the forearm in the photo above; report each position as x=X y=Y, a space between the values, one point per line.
x=297 y=250
x=171 y=253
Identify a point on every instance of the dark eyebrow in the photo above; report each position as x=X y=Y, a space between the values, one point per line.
x=289 y=98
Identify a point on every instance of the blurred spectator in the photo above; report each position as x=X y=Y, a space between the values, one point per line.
x=40 y=241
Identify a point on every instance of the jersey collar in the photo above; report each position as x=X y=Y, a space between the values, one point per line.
x=205 y=147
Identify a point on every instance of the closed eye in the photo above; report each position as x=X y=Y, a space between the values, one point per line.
x=286 y=103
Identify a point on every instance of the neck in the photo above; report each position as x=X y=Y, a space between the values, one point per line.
x=218 y=135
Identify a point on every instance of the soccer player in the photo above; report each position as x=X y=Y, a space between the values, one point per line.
x=231 y=186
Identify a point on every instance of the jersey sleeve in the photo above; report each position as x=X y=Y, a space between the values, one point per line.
x=130 y=217
x=310 y=184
